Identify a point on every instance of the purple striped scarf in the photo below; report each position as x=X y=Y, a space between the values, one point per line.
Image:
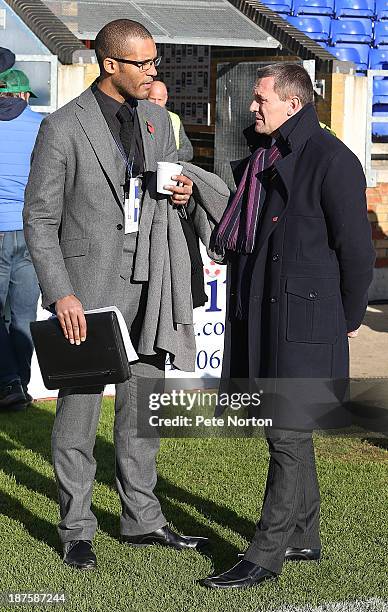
x=238 y=226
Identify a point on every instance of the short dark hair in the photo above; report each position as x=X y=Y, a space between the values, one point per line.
x=289 y=80
x=111 y=38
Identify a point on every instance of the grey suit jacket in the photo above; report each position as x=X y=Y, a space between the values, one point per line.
x=185 y=150
x=73 y=219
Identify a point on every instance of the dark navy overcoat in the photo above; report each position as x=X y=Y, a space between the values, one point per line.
x=308 y=278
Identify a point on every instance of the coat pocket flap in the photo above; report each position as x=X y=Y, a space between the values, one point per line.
x=312 y=289
x=75 y=248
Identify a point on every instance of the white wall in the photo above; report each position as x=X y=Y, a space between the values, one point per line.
x=355 y=107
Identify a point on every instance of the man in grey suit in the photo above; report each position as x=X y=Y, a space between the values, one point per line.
x=86 y=257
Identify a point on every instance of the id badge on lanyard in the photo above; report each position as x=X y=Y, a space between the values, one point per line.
x=131 y=189
x=132 y=206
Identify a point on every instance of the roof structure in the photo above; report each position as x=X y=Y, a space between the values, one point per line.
x=62 y=24
x=48 y=28
x=198 y=22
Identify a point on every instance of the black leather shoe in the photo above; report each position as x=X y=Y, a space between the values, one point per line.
x=79 y=554
x=29 y=398
x=12 y=396
x=243 y=575
x=166 y=537
x=302 y=554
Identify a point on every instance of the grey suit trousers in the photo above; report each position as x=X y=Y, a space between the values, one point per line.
x=290 y=513
x=74 y=435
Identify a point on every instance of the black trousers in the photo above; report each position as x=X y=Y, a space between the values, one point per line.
x=290 y=512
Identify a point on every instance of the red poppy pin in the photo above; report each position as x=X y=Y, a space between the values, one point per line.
x=150 y=128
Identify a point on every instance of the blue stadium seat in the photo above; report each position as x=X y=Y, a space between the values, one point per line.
x=378 y=59
x=381 y=33
x=314 y=7
x=317 y=28
x=355 y=8
x=380 y=129
x=351 y=31
x=380 y=91
x=280 y=6
x=358 y=54
x=381 y=9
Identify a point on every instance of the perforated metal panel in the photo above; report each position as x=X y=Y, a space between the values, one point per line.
x=234 y=97
x=210 y=22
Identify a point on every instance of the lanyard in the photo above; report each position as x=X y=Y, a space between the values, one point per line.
x=129 y=161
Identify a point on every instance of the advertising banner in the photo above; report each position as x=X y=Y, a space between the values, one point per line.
x=209 y=323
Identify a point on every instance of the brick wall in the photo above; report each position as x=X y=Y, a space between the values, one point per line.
x=377 y=198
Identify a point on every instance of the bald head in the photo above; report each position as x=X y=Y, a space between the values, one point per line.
x=158 y=93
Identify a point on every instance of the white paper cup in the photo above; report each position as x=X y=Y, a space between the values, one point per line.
x=164 y=172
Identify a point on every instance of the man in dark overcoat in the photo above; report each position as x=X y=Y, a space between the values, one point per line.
x=300 y=260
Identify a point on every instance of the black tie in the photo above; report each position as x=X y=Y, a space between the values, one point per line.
x=125 y=117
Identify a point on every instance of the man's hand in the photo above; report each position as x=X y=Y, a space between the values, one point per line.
x=353 y=334
x=71 y=316
x=180 y=195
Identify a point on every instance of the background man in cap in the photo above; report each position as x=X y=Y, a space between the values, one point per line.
x=18 y=282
